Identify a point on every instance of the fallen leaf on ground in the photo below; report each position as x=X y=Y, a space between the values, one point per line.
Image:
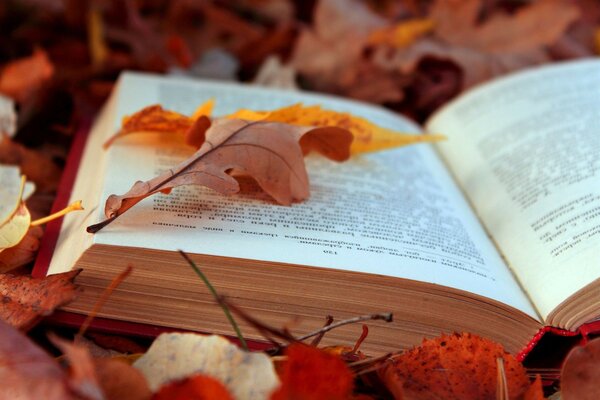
x=22 y=77
x=23 y=253
x=156 y=119
x=269 y=152
x=581 y=373
x=174 y=356
x=26 y=371
x=312 y=374
x=25 y=300
x=459 y=366
x=196 y=387
x=367 y=136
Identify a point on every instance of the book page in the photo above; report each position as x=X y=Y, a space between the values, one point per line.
x=526 y=150
x=394 y=213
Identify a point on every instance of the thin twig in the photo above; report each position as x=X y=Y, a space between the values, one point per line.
x=317 y=339
x=105 y=295
x=210 y=287
x=387 y=317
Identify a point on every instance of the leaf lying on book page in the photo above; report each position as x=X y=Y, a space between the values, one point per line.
x=197 y=387
x=25 y=299
x=581 y=372
x=453 y=367
x=310 y=373
x=156 y=119
x=174 y=356
x=26 y=371
x=270 y=152
x=367 y=136
x=22 y=77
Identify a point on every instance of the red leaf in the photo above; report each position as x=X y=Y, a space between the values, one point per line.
x=197 y=387
x=312 y=374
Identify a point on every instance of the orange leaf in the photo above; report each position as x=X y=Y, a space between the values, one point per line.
x=581 y=373
x=535 y=391
x=453 y=367
x=26 y=299
x=197 y=387
x=367 y=136
x=23 y=253
x=312 y=374
x=402 y=34
x=21 y=77
x=270 y=152
x=156 y=119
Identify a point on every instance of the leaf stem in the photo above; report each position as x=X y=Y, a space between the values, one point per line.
x=387 y=317
x=210 y=287
x=75 y=206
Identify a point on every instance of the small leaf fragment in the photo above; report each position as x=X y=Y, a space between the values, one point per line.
x=402 y=34
x=175 y=356
x=196 y=387
x=21 y=77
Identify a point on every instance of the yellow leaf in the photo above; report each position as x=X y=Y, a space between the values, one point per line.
x=204 y=109
x=11 y=191
x=402 y=34
x=13 y=230
x=367 y=136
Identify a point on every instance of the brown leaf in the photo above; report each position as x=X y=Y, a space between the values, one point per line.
x=82 y=375
x=581 y=372
x=35 y=165
x=531 y=27
x=22 y=77
x=26 y=371
x=267 y=151
x=23 y=253
x=120 y=380
x=453 y=367
x=24 y=299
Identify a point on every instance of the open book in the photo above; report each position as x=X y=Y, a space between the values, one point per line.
x=495 y=231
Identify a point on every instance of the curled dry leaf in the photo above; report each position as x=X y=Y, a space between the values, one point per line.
x=26 y=371
x=20 y=78
x=269 y=152
x=23 y=253
x=156 y=119
x=581 y=373
x=459 y=366
x=25 y=300
x=196 y=387
x=367 y=136
x=312 y=374
x=174 y=356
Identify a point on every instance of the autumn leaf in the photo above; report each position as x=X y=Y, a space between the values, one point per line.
x=196 y=387
x=174 y=356
x=312 y=374
x=156 y=119
x=14 y=215
x=25 y=300
x=22 y=253
x=20 y=78
x=119 y=380
x=581 y=373
x=459 y=366
x=8 y=117
x=26 y=371
x=270 y=152
x=367 y=136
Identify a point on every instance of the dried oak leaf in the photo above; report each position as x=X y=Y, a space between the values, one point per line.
x=269 y=152
x=25 y=299
x=312 y=374
x=367 y=136
x=196 y=387
x=22 y=77
x=26 y=371
x=459 y=366
x=581 y=373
